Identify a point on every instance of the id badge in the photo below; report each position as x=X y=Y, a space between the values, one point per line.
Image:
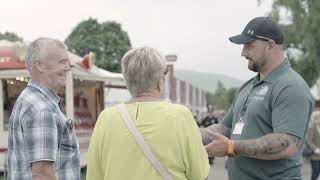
x=238 y=128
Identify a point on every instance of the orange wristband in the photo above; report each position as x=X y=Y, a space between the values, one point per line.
x=231 y=148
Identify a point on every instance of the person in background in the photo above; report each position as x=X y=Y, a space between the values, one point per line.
x=42 y=142
x=313 y=141
x=169 y=129
x=210 y=118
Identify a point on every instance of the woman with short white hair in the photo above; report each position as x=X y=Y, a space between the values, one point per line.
x=146 y=138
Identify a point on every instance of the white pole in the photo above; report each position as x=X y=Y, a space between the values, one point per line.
x=69 y=96
x=178 y=91
x=1 y=107
x=187 y=94
x=194 y=98
x=167 y=88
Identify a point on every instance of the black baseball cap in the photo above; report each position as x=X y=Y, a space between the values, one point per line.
x=263 y=28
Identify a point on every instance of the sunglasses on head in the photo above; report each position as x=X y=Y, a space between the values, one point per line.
x=266 y=39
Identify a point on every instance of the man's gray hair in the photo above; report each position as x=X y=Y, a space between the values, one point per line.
x=38 y=50
x=142 y=69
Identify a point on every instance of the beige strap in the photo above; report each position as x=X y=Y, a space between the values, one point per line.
x=142 y=144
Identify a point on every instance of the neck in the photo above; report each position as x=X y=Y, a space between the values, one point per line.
x=146 y=97
x=275 y=63
x=44 y=83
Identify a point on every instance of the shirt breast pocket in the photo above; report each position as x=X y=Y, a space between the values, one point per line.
x=68 y=146
x=68 y=138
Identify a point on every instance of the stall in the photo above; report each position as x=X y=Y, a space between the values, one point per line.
x=83 y=94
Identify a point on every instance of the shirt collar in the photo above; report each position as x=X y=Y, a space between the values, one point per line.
x=274 y=74
x=45 y=91
x=278 y=71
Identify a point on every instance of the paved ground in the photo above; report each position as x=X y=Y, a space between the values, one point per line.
x=218 y=172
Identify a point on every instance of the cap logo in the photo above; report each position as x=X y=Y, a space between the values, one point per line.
x=250 y=32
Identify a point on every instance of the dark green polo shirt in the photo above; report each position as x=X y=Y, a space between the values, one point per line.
x=282 y=102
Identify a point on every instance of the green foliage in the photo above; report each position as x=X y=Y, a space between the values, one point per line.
x=231 y=93
x=222 y=98
x=221 y=90
x=302 y=33
x=10 y=36
x=107 y=40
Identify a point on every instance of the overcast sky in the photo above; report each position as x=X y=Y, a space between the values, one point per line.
x=196 y=31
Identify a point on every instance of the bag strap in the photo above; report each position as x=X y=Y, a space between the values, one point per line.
x=142 y=144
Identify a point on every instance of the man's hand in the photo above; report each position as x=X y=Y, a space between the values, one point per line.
x=219 y=146
x=218 y=128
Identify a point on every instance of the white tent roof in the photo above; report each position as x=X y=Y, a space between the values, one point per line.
x=4 y=42
x=110 y=78
x=105 y=73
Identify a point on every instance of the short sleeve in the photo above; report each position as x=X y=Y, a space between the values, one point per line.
x=291 y=110
x=41 y=136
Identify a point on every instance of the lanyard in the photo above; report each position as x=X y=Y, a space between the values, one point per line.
x=245 y=104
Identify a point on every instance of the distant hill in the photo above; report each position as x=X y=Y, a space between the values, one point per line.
x=207 y=81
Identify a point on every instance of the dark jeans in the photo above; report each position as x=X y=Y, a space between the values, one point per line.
x=315 y=166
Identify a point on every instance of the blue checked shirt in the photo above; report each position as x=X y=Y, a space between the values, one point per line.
x=39 y=131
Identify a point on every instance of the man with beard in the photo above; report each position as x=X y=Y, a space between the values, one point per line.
x=263 y=130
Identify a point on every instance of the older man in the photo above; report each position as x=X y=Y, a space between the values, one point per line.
x=266 y=123
x=42 y=144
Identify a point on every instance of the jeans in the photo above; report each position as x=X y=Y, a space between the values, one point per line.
x=315 y=166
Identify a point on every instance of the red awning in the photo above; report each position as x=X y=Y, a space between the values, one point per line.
x=12 y=65
x=9 y=60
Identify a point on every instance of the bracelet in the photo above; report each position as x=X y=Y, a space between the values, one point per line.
x=231 y=148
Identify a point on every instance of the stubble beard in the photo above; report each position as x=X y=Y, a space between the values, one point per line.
x=253 y=66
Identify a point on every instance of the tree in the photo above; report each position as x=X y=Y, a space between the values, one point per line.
x=219 y=98
x=231 y=93
x=10 y=36
x=222 y=98
x=302 y=35
x=221 y=89
x=107 y=40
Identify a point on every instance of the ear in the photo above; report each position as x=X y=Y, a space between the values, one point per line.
x=271 y=44
x=39 y=66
